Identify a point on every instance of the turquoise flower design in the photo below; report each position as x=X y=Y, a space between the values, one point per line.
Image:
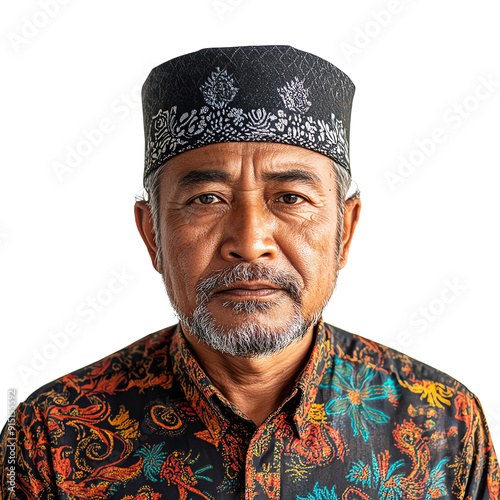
x=356 y=390
x=380 y=475
x=153 y=457
x=320 y=494
x=436 y=485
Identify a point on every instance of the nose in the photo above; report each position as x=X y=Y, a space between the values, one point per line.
x=249 y=235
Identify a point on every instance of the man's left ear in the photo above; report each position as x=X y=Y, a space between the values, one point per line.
x=351 y=217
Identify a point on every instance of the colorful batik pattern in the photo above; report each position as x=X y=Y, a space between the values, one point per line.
x=363 y=422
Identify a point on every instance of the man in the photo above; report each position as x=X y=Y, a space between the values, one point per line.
x=251 y=394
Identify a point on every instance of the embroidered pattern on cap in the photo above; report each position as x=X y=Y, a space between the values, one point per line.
x=171 y=134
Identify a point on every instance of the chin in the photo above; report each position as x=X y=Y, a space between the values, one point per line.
x=257 y=334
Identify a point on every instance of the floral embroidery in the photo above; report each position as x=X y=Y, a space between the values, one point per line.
x=174 y=468
x=295 y=96
x=320 y=494
x=378 y=475
x=356 y=391
x=219 y=89
x=435 y=393
x=171 y=134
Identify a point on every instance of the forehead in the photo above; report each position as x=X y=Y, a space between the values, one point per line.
x=258 y=158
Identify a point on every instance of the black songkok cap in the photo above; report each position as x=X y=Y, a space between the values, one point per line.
x=251 y=94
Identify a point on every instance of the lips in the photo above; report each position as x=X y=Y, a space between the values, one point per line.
x=248 y=290
x=242 y=282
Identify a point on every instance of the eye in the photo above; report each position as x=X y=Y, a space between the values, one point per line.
x=291 y=199
x=205 y=199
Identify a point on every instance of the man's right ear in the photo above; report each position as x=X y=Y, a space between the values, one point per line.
x=145 y=227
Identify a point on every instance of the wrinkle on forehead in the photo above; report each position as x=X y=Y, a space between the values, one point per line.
x=249 y=156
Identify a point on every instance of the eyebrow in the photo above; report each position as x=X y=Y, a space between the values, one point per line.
x=196 y=177
x=292 y=175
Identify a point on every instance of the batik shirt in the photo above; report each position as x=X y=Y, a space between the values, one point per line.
x=361 y=422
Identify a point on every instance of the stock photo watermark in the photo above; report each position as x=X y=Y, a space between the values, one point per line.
x=32 y=25
x=493 y=419
x=223 y=7
x=11 y=441
x=452 y=119
x=86 y=312
x=92 y=138
x=426 y=314
x=372 y=28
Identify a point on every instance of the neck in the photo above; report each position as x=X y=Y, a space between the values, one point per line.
x=256 y=386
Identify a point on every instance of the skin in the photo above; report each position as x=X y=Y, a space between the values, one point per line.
x=248 y=214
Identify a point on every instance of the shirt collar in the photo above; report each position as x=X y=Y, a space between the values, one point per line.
x=202 y=395
x=311 y=376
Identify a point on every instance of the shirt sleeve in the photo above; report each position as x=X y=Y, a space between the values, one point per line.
x=25 y=458
x=483 y=480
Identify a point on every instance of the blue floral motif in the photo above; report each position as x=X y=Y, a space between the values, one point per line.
x=153 y=459
x=379 y=475
x=320 y=494
x=436 y=482
x=356 y=389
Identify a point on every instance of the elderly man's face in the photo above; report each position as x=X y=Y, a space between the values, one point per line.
x=248 y=235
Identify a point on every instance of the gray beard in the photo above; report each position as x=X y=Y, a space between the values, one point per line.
x=249 y=339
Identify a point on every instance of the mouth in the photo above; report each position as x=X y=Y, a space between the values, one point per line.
x=248 y=291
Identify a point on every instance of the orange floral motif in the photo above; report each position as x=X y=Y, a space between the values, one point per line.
x=409 y=439
x=270 y=482
x=354 y=494
x=436 y=394
x=145 y=493
x=126 y=427
x=97 y=484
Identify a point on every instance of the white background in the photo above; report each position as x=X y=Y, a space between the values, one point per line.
x=433 y=236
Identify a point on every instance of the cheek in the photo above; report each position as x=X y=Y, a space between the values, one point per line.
x=312 y=245
x=187 y=252
x=311 y=249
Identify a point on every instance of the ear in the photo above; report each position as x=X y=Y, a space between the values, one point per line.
x=351 y=217
x=145 y=227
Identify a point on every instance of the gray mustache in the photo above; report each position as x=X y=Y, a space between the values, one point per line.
x=245 y=272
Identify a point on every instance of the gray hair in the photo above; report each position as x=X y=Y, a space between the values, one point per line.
x=152 y=188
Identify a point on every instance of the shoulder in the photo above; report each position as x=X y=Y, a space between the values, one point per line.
x=431 y=384
x=431 y=413
x=142 y=364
